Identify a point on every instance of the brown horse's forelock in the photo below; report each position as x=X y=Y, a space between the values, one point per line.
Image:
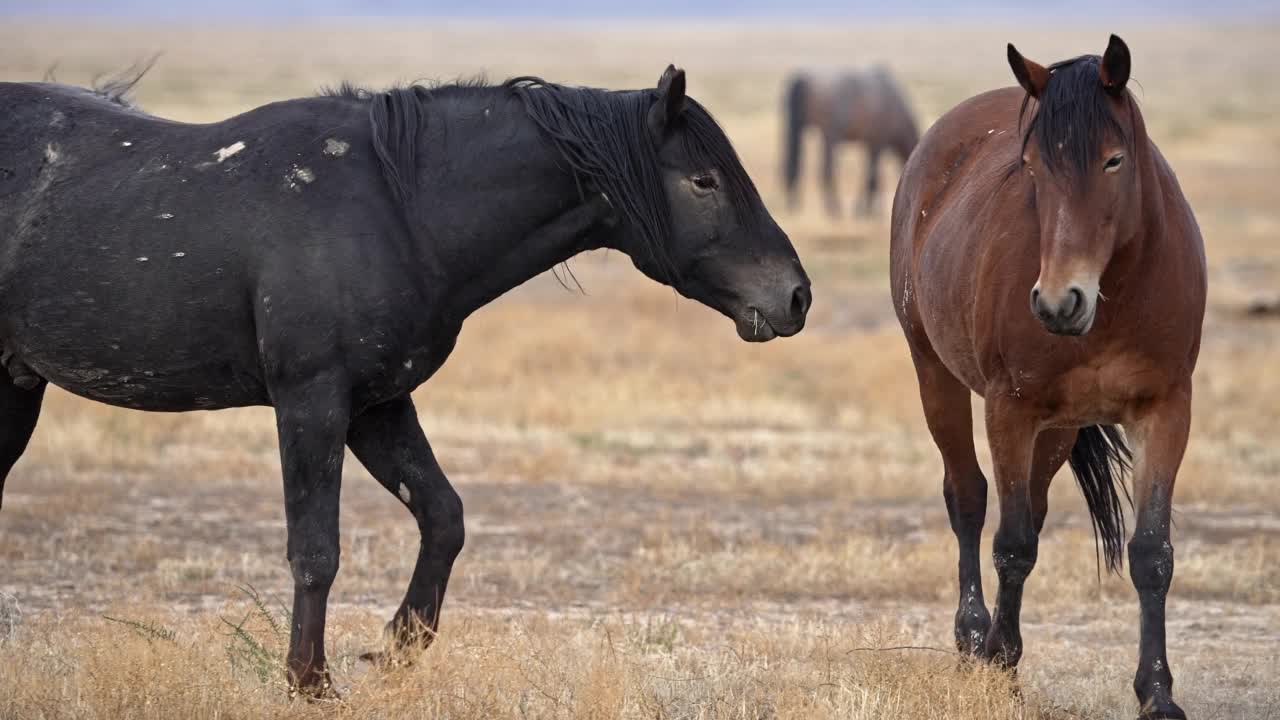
x=1074 y=113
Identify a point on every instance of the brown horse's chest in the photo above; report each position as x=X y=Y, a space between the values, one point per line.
x=1103 y=389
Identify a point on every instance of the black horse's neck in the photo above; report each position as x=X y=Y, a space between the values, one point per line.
x=495 y=203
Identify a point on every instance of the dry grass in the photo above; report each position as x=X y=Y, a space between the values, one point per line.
x=493 y=666
x=662 y=521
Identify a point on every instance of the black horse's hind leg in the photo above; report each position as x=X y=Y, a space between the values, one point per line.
x=388 y=440
x=948 y=411
x=872 y=195
x=1160 y=440
x=19 y=410
x=311 y=420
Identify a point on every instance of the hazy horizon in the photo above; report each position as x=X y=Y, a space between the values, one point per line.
x=1081 y=10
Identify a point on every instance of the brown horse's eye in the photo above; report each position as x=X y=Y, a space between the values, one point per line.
x=1113 y=163
x=707 y=182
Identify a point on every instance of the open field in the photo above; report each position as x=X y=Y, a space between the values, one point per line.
x=663 y=521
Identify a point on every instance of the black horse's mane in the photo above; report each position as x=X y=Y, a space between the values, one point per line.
x=1074 y=113
x=602 y=136
x=116 y=88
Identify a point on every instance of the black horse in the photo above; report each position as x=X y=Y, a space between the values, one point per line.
x=320 y=255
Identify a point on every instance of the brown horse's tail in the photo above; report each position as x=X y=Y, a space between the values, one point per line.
x=797 y=98
x=1100 y=459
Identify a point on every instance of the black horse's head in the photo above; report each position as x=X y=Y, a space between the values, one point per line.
x=724 y=248
x=690 y=217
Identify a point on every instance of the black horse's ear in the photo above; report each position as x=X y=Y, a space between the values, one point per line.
x=1031 y=76
x=1115 y=66
x=669 y=105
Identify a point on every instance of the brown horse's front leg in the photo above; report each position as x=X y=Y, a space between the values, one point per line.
x=949 y=413
x=388 y=440
x=1012 y=433
x=311 y=419
x=1159 y=439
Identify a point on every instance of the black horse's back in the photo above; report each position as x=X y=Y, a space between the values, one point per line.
x=133 y=247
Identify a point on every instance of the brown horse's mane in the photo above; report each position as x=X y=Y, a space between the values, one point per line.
x=1073 y=115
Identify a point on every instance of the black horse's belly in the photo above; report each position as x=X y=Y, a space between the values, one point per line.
x=117 y=377
x=149 y=341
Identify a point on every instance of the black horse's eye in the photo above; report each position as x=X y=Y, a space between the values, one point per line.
x=706 y=182
x=1113 y=163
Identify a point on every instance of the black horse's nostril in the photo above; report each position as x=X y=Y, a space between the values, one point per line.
x=800 y=301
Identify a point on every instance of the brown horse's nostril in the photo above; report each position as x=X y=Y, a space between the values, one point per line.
x=1037 y=308
x=800 y=301
x=1074 y=304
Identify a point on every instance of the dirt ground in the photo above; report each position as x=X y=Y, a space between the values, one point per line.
x=662 y=521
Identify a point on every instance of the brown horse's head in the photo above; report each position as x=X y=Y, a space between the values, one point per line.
x=1079 y=150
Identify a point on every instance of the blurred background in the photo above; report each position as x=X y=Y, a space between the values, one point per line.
x=663 y=521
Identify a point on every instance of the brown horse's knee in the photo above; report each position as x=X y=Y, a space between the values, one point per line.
x=1150 y=563
x=1014 y=555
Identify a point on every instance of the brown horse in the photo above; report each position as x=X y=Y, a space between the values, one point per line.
x=1046 y=259
x=864 y=106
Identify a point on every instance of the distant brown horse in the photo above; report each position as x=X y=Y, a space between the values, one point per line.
x=1046 y=259
x=865 y=106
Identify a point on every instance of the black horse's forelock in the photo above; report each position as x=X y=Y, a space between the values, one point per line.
x=604 y=138
x=1073 y=115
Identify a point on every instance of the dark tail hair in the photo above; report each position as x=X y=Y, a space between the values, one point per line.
x=1100 y=459
x=794 y=109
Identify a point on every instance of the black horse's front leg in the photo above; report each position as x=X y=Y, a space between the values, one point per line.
x=389 y=441
x=311 y=419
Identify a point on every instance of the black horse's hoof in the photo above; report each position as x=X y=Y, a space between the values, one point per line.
x=390 y=659
x=319 y=690
x=1166 y=710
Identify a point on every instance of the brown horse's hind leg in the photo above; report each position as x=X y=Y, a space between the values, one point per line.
x=1012 y=434
x=19 y=410
x=947 y=410
x=388 y=440
x=1159 y=440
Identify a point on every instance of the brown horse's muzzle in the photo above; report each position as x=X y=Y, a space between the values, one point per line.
x=1070 y=312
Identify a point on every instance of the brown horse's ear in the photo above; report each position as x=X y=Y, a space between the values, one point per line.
x=1031 y=76
x=1115 y=66
x=669 y=105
